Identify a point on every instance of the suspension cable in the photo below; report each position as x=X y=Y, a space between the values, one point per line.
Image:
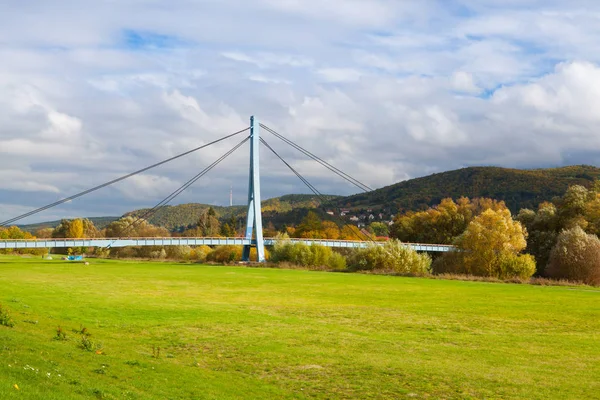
x=38 y=210
x=163 y=203
x=324 y=163
x=310 y=186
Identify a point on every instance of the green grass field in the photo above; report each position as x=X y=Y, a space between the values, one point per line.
x=234 y=332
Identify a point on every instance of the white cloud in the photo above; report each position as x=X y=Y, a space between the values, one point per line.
x=463 y=82
x=383 y=89
x=340 y=74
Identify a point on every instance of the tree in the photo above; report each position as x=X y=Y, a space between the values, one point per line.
x=489 y=247
x=14 y=232
x=208 y=224
x=443 y=223
x=380 y=229
x=310 y=227
x=75 y=229
x=575 y=257
x=227 y=230
x=44 y=233
x=350 y=232
x=330 y=230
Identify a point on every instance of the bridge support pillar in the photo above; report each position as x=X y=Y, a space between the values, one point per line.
x=254 y=219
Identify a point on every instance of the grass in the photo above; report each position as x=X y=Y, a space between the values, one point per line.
x=180 y=331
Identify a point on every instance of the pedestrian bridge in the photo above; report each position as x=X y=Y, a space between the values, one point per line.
x=183 y=241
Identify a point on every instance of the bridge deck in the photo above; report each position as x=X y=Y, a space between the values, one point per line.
x=181 y=241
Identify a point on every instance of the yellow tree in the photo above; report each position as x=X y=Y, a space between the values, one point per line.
x=75 y=229
x=487 y=239
x=351 y=232
x=330 y=230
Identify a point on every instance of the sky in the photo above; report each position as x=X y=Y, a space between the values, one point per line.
x=385 y=90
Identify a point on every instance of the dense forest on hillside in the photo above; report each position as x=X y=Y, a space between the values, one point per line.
x=517 y=188
x=281 y=210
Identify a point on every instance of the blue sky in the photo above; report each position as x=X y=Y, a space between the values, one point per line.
x=386 y=90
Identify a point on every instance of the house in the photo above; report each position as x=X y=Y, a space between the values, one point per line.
x=330 y=212
x=343 y=213
x=371 y=217
x=354 y=218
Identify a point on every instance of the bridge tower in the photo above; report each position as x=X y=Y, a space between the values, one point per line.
x=254 y=218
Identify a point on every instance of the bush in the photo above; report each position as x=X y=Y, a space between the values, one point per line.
x=393 y=256
x=225 y=254
x=575 y=257
x=178 y=252
x=201 y=253
x=516 y=266
x=307 y=256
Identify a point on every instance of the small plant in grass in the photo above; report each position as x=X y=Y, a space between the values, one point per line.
x=5 y=318
x=155 y=351
x=82 y=331
x=89 y=345
x=60 y=334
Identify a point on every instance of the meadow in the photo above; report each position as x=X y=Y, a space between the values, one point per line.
x=159 y=330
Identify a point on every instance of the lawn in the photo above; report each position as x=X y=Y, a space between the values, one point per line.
x=187 y=331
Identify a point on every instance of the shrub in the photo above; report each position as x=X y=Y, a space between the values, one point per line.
x=178 y=252
x=200 y=253
x=225 y=254
x=516 y=266
x=393 y=256
x=307 y=256
x=575 y=257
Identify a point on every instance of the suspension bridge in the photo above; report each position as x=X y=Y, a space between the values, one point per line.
x=254 y=232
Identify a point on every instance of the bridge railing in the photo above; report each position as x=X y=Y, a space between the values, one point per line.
x=195 y=241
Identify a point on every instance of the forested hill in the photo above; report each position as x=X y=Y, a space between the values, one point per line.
x=185 y=215
x=518 y=188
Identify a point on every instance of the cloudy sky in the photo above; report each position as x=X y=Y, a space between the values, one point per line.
x=385 y=90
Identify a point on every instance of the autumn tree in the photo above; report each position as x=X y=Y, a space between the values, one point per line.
x=13 y=232
x=44 y=233
x=443 y=223
x=75 y=229
x=350 y=232
x=208 y=224
x=310 y=227
x=490 y=246
x=330 y=230
x=380 y=229
x=578 y=207
x=133 y=227
x=575 y=257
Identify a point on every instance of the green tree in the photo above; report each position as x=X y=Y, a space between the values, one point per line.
x=380 y=229
x=208 y=224
x=227 y=230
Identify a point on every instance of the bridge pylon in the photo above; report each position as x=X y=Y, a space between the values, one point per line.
x=254 y=218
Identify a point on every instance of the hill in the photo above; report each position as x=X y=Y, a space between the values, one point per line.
x=518 y=188
x=99 y=222
x=185 y=215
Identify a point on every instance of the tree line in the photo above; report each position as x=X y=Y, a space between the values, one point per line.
x=559 y=240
